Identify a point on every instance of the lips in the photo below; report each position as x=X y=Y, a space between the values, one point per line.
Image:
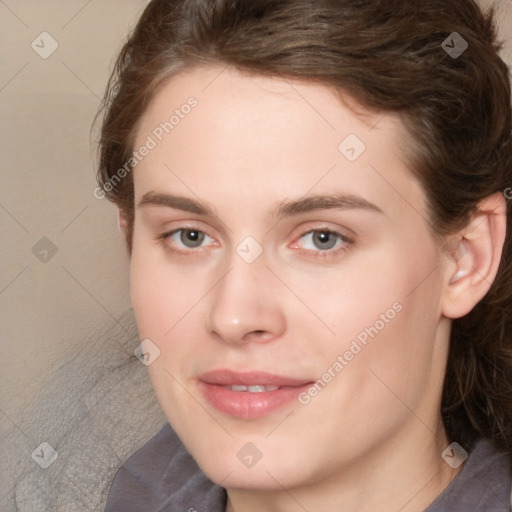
x=249 y=395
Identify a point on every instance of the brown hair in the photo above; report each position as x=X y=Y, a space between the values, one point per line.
x=389 y=55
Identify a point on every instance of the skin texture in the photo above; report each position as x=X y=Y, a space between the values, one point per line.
x=372 y=438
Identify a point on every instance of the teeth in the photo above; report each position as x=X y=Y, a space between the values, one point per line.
x=238 y=388
x=252 y=389
x=256 y=389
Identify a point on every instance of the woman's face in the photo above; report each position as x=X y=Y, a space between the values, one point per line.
x=280 y=241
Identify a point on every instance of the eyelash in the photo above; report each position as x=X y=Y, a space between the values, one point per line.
x=346 y=242
x=162 y=239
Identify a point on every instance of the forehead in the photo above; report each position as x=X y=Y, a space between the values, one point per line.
x=233 y=101
x=250 y=135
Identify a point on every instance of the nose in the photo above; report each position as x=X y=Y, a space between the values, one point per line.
x=245 y=306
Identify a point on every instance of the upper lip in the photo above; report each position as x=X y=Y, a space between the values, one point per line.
x=253 y=378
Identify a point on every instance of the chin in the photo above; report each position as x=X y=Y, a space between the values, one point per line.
x=269 y=470
x=252 y=479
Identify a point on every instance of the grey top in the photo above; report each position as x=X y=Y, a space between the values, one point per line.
x=163 y=477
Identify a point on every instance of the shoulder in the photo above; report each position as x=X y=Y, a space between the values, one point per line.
x=483 y=484
x=163 y=477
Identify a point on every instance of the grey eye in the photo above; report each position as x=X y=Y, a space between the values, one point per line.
x=324 y=240
x=191 y=238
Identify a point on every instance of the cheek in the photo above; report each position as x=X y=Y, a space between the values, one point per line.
x=169 y=303
x=366 y=285
x=389 y=365
x=162 y=302
x=384 y=310
x=151 y=293
x=160 y=293
x=401 y=357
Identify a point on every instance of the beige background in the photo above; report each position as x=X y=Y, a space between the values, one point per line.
x=56 y=310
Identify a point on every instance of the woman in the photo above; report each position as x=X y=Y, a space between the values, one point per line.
x=312 y=194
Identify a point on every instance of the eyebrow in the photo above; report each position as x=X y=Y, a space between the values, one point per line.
x=325 y=202
x=177 y=202
x=285 y=209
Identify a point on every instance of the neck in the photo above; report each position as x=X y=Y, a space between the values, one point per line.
x=407 y=475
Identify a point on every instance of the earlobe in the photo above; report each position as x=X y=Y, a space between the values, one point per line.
x=474 y=256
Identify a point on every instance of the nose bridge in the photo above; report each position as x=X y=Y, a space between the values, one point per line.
x=244 y=307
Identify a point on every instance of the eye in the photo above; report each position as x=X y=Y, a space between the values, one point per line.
x=187 y=238
x=323 y=240
x=190 y=238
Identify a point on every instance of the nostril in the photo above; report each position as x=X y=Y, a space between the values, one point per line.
x=258 y=335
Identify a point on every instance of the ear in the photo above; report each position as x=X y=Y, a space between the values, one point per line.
x=122 y=221
x=474 y=255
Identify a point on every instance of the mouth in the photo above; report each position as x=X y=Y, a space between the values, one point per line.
x=249 y=395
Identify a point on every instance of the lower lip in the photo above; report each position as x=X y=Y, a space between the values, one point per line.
x=245 y=404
